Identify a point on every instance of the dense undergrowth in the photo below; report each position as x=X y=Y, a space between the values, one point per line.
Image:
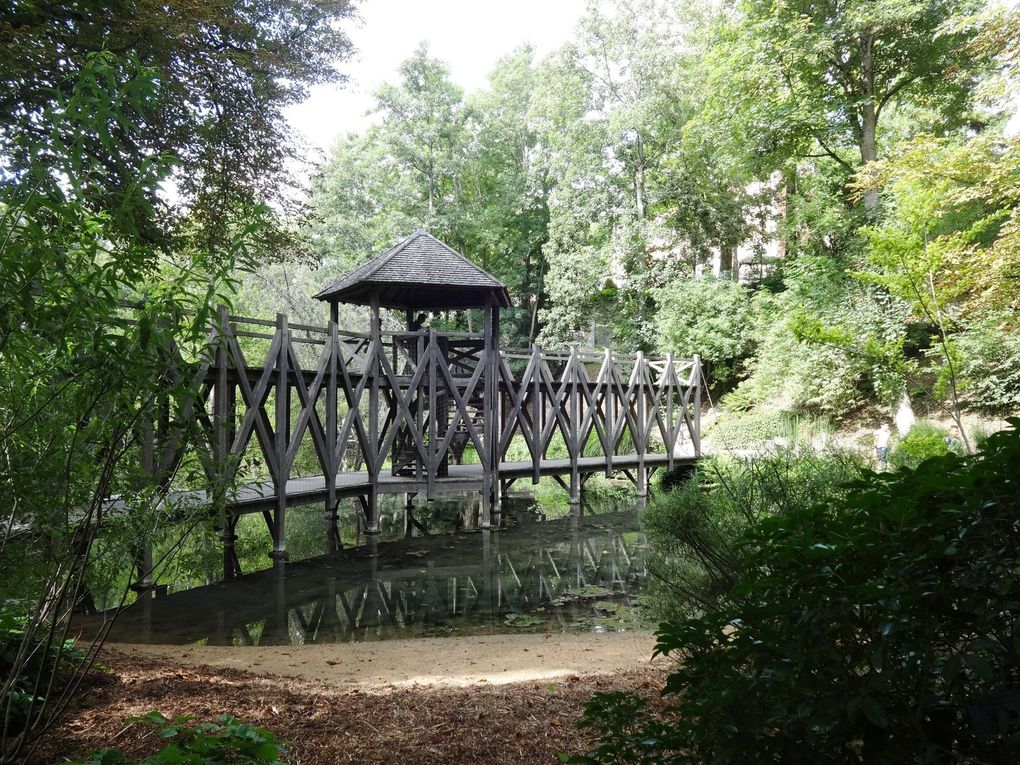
x=874 y=621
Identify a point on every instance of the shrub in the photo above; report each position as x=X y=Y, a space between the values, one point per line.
x=748 y=429
x=226 y=741
x=882 y=627
x=711 y=317
x=46 y=658
x=924 y=440
x=694 y=530
x=990 y=366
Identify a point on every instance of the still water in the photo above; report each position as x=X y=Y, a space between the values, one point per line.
x=432 y=574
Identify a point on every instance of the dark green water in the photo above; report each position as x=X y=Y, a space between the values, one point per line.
x=543 y=570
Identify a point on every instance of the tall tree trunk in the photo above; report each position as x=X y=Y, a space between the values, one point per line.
x=727 y=256
x=639 y=178
x=869 y=115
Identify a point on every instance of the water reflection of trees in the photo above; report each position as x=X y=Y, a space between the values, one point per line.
x=559 y=572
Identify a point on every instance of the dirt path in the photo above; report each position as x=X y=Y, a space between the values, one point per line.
x=448 y=661
x=418 y=702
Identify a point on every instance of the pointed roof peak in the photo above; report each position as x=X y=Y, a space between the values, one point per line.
x=419 y=272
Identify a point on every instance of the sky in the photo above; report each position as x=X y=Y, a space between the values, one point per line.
x=469 y=35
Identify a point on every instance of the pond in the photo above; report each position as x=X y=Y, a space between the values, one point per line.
x=433 y=573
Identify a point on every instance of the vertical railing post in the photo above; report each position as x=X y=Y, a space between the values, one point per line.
x=432 y=468
x=608 y=399
x=490 y=437
x=641 y=437
x=698 y=377
x=221 y=407
x=671 y=430
x=282 y=431
x=332 y=438
x=537 y=413
x=574 y=414
x=374 y=460
x=224 y=408
x=143 y=551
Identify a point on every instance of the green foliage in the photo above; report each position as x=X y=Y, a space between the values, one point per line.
x=880 y=626
x=793 y=79
x=711 y=317
x=225 y=742
x=827 y=350
x=463 y=168
x=84 y=150
x=923 y=441
x=694 y=530
x=990 y=365
x=43 y=658
x=743 y=430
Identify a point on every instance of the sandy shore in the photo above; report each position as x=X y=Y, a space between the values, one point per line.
x=446 y=661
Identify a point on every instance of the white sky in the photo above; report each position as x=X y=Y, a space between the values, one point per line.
x=469 y=35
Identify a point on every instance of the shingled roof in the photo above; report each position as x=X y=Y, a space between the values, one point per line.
x=419 y=272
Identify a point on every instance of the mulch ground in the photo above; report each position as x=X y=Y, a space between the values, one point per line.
x=514 y=723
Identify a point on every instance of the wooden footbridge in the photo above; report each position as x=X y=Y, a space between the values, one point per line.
x=331 y=413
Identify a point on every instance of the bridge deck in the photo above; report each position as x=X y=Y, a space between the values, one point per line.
x=259 y=496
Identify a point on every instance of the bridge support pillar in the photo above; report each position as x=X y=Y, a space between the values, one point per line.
x=143 y=564
x=575 y=488
x=370 y=504
x=332 y=526
x=642 y=481
x=279 y=551
x=228 y=536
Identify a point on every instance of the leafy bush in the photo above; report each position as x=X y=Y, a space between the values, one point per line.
x=225 y=741
x=711 y=317
x=19 y=686
x=740 y=430
x=880 y=627
x=923 y=441
x=694 y=530
x=990 y=366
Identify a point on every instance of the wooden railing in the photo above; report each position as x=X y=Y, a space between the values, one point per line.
x=410 y=402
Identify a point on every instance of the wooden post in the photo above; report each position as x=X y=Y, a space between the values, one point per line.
x=641 y=437
x=332 y=436
x=490 y=466
x=609 y=407
x=374 y=461
x=432 y=468
x=221 y=406
x=282 y=431
x=574 y=448
x=671 y=429
x=537 y=414
x=143 y=552
x=228 y=536
x=696 y=435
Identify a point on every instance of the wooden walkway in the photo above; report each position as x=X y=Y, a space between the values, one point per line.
x=404 y=408
x=262 y=496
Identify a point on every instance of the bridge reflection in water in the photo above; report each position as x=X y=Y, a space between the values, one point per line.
x=573 y=573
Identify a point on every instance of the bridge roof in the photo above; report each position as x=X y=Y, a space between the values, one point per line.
x=419 y=272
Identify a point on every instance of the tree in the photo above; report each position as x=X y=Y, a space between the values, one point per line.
x=506 y=211
x=226 y=72
x=81 y=378
x=714 y=318
x=464 y=169
x=948 y=246
x=805 y=79
x=423 y=120
x=608 y=112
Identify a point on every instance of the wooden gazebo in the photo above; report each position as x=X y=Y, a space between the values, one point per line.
x=421 y=273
